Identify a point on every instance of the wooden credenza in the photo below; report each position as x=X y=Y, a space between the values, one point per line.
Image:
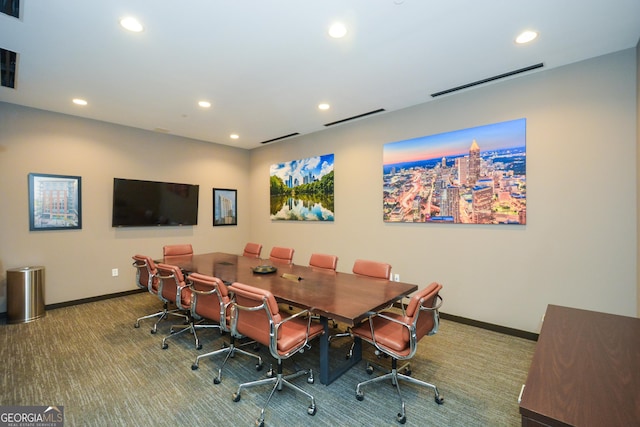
x=585 y=371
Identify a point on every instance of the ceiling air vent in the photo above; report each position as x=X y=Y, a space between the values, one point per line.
x=359 y=116
x=8 y=61
x=280 y=137
x=487 y=80
x=11 y=8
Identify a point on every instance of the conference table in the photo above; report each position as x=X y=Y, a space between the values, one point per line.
x=343 y=297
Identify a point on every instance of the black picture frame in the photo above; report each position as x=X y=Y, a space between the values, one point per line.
x=225 y=207
x=55 y=202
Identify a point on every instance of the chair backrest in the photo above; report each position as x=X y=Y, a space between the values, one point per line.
x=323 y=261
x=146 y=273
x=398 y=335
x=177 y=250
x=422 y=311
x=210 y=298
x=255 y=313
x=172 y=286
x=281 y=255
x=252 y=250
x=379 y=270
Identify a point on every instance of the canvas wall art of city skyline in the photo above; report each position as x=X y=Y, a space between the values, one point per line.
x=302 y=190
x=469 y=176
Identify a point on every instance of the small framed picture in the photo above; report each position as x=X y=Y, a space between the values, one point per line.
x=54 y=202
x=225 y=207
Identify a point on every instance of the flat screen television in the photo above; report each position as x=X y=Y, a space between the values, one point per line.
x=138 y=203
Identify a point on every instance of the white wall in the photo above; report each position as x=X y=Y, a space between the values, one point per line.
x=78 y=263
x=579 y=246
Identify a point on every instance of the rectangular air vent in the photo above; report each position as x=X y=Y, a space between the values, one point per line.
x=487 y=80
x=10 y=7
x=280 y=137
x=8 y=61
x=359 y=116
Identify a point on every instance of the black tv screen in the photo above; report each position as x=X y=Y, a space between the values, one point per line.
x=139 y=203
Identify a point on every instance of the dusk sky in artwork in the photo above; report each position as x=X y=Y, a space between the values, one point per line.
x=489 y=137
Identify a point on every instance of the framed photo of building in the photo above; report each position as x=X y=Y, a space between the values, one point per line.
x=225 y=206
x=54 y=202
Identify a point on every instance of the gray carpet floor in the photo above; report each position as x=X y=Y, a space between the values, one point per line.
x=90 y=359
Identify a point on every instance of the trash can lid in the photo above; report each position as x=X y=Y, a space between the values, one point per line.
x=30 y=268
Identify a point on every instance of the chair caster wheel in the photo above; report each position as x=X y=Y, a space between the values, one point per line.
x=360 y=396
x=216 y=380
x=259 y=423
x=311 y=410
x=165 y=346
x=153 y=331
x=369 y=369
x=137 y=325
x=270 y=373
x=401 y=418
x=194 y=367
x=347 y=356
x=236 y=397
x=407 y=372
x=199 y=347
x=310 y=380
x=439 y=400
x=259 y=366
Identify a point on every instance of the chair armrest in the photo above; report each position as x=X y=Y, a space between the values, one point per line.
x=199 y=292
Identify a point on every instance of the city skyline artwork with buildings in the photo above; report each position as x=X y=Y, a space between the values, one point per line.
x=469 y=176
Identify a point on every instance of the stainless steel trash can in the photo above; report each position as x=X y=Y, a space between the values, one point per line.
x=25 y=294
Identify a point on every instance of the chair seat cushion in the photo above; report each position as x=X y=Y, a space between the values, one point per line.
x=292 y=334
x=390 y=336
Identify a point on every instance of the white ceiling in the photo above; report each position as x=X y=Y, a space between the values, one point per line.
x=265 y=65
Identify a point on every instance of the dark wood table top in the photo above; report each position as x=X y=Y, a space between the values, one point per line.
x=585 y=370
x=341 y=296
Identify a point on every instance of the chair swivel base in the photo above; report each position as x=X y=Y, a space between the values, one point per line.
x=279 y=381
x=162 y=315
x=189 y=327
x=395 y=378
x=230 y=353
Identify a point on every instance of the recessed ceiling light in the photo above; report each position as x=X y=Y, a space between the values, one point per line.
x=204 y=104
x=526 y=37
x=324 y=106
x=234 y=136
x=131 y=24
x=79 y=101
x=337 y=30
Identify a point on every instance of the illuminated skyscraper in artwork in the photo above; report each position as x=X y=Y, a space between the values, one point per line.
x=474 y=163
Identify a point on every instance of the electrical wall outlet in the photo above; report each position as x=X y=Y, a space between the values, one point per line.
x=114 y=272
x=396 y=277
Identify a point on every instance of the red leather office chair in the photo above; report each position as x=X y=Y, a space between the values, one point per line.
x=366 y=268
x=323 y=261
x=176 y=251
x=146 y=278
x=211 y=301
x=255 y=314
x=281 y=255
x=374 y=269
x=252 y=250
x=173 y=288
x=397 y=335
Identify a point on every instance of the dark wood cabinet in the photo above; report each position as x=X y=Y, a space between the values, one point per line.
x=585 y=371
